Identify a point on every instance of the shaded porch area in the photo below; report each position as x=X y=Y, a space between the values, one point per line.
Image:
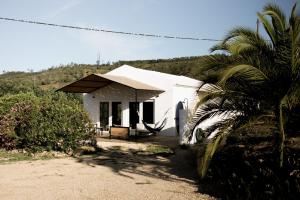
x=116 y=103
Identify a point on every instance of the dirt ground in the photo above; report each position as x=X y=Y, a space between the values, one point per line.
x=118 y=172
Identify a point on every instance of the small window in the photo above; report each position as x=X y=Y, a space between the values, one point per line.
x=148 y=112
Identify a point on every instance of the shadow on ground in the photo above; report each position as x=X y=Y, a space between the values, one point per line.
x=173 y=167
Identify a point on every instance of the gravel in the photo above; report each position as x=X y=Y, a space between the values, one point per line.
x=114 y=174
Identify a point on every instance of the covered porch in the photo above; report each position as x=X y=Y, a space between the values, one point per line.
x=113 y=101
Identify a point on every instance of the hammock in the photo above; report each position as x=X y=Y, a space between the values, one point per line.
x=156 y=129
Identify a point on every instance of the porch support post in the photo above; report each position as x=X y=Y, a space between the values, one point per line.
x=135 y=91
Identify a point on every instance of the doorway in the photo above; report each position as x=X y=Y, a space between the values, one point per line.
x=179 y=107
x=116 y=109
x=148 y=112
x=104 y=115
x=133 y=114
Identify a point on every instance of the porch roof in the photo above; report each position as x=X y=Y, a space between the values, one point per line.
x=93 y=82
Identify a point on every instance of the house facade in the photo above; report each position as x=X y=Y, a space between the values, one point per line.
x=127 y=95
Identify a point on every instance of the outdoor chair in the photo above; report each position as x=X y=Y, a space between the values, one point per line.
x=98 y=130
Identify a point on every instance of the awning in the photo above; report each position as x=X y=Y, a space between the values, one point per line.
x=93 y=82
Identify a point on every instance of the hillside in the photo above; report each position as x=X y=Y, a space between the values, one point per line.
x=56 y=77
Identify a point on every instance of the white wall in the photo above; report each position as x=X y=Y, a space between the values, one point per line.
x=164 y=103
x=114 y=93
x=188 y=96
x=164 y=109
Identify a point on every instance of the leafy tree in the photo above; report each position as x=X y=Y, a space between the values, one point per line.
x=256 y=77
x=50 y=121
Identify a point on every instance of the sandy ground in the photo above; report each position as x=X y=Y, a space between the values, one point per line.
x=117 y=173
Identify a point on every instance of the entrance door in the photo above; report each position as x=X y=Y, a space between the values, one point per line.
x=179 y=107
x=104 y=114
x=116 y=113
x=133 y=114
x=148 y=112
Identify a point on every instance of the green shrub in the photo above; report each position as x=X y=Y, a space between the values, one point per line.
x=246 y=168
x=51 y=121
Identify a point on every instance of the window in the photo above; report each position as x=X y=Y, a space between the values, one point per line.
x=104 y=114
x=133 y=114
x=148 y=112
x=116 y=113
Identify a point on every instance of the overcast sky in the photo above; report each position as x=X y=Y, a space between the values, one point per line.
x=36 y=47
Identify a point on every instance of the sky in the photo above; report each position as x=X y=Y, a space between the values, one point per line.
x=25 y=47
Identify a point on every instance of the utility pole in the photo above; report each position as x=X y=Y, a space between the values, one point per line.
x=98 y=62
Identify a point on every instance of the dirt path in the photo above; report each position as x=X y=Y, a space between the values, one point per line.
x=117 y=173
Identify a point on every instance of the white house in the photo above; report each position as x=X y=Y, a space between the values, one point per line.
x=114 y=98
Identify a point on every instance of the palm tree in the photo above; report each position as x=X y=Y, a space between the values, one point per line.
x=258 y=77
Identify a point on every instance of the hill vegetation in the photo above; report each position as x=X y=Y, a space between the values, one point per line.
x=55 y=77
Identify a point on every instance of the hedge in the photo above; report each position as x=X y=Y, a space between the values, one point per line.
x=50 y=121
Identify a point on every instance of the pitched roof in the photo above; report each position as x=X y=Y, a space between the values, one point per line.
x=93 y=82
x=154 y=78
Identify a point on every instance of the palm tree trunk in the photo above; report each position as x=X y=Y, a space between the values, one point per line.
x=281 y=134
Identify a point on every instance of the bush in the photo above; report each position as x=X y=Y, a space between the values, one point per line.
x=14 y=87
x=51 y=121
x=247 y=168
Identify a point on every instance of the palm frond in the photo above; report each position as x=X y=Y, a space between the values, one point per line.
x=222 y=130
x=277 y=15
x=294 y=32
x=248 y=72
x=204 y=161
x=293 y=95
x=268 y=27
x=216 y=62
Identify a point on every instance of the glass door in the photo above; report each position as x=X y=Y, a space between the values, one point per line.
x=116 y=113
x=104 y=115
x=148 y=112
x=133 y=114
